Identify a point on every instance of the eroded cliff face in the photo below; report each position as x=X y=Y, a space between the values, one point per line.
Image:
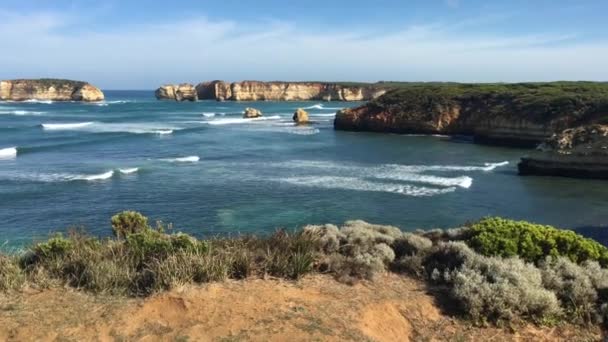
x=507 y=118
x=49 y=89
x=580 y=152
x=279 y=91
x=177 y=92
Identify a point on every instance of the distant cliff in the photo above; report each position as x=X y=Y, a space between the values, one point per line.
x=273 y=91
x=49 y=89
x=504 y=114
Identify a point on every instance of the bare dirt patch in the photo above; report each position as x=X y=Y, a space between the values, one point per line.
x=316 y=308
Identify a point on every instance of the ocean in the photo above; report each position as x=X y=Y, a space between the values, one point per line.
x=207 y=171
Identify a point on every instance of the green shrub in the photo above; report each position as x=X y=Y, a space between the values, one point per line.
x=153 y=243
x=532 y=242
x=56 y=246
x=128 y=222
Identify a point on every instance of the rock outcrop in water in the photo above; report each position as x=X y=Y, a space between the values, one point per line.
x=300 y=116
x=279 y=91
x=580 y=152
x=177 y=92
x=504 y=114
x=49 y=90
x=251 y=113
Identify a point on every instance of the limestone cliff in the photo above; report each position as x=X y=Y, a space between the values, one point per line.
x=514 y=115
x=281 y=91
x=580 y=152
x=49 y=89
x=177 y=92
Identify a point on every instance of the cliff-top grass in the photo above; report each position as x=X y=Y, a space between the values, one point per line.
x=494 y=271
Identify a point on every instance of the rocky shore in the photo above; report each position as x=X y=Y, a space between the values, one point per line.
x=580 y=152
x=271 y=91
x=518 y=115
x=49 y=90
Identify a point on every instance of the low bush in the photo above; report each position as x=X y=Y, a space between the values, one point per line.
x=128 y=222
x=581 y=289
x=491 y=288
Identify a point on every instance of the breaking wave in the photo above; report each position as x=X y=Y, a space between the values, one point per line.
x=20 y=112
x=8 y=153
x=98 y=127
x=66 y=177
x=129 y=171
x=189 y=159
x=65 y=126
x=317 y=106
x=39 y=101
x=360 y=184
x=95 y=177
x=393 y=172
x=320 y=106
x=237 y=121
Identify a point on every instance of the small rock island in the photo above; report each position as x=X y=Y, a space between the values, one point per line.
x=48 y=89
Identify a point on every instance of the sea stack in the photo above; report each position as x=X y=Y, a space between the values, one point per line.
x=580 y=152
x=300 y=116
x=47 y=89
x=251 y=113
x=177 y=92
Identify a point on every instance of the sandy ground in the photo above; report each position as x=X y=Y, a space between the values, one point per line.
x=317 y=308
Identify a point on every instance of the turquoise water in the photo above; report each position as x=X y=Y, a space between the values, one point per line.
x=203 y=168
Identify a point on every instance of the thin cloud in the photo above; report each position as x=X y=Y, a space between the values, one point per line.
x=144 y=56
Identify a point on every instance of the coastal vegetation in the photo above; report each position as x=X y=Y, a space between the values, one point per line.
x=537 y=102
x=495 y=270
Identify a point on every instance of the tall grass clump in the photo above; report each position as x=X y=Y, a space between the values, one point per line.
x=12 y=276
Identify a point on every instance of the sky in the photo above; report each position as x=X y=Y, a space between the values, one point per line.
x=122 y=44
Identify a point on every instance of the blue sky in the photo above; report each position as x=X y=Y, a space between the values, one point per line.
x=141 y=44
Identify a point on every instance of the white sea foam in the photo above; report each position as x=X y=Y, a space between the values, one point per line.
x=237 y=121
x=320 y=106
x=128 y=171
x=189 y=159
x=208 y=115
x=8 y=153
x=322 y=114
x=20 y=112
x=317 y=106
x=360 y=184
x=395 y=172
x=99 y=127
x=392 y=167
x=95 y=177
x=65 y=126
x=39 y=101
x=460 y=181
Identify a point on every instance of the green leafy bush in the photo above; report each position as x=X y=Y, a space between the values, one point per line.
x=532 y=242
x=56 y=246
x=128 y=222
